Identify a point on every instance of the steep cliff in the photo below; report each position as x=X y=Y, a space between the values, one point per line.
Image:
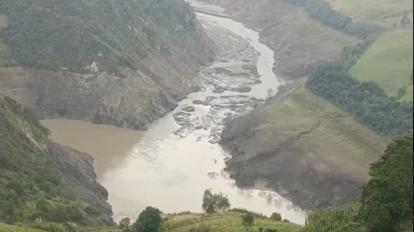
x=40 y=179
x=119 y=62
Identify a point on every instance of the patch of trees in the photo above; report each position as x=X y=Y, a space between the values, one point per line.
x=214 y=203
x=366 y=101
x=321 y=10
x=386 y=204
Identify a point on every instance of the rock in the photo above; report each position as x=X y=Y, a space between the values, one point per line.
x=188 y=109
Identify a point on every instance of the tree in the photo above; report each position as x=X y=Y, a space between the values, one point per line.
x=276 y=217
x=248 y=221
x=148 y=221
x=124 y=224
x=213 y=203
x=387 y=199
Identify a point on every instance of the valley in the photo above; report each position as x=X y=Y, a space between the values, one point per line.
x=223 y=115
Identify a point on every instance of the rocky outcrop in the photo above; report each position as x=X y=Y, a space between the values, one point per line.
x=127 y=71
x=77 y=169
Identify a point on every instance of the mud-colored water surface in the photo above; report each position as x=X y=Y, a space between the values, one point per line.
x=107 y=144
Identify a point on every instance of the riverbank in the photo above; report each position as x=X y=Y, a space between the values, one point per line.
x=298 y=40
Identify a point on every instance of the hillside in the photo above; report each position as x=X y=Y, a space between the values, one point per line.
x=388 y=61
x=41 y=179
x=285 y=142
x=385 y=13
x=291 y=31
x=303 y=147
x=122 y=63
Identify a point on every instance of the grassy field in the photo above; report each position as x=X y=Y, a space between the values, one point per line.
x=227 y=222
x=380 y=12
x=388 y=62
x=336 y=138
x=9 y=228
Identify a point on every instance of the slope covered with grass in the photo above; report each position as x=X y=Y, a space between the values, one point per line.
x=380 y=12
x=388 y=63
x=225 y=222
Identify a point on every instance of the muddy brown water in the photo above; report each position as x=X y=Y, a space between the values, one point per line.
x=107 y=144
x=178 y=157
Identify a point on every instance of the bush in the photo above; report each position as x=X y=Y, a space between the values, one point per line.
x=276 y=217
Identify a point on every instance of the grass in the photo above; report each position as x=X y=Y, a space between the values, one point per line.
x=3 y=21
x=5 y=54
x=12 y=228
x=226 y=222
x=329 y=133
x=380 y=12
x=388 y=62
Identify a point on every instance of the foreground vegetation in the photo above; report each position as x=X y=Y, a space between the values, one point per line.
x=386 y=204
x=32 y=183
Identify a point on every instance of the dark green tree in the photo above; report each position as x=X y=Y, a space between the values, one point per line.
x=213 y=203
x=276 y=217
x=148 y=221
x=387 y=199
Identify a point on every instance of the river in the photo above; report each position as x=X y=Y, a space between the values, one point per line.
x=178 y=157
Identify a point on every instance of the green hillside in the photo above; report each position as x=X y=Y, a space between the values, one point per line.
x=380 y=12
x=42 y=180
x=388 y=62
x=73 y=34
